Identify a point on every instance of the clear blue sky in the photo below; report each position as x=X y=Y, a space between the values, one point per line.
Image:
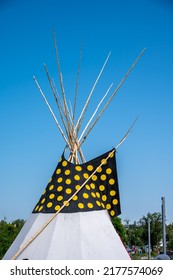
x=30 y=143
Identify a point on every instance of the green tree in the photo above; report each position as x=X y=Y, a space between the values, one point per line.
x=134 y=232
x=155 y=229
x=120 y=229
x=169 y=237
x=18 y=224
x=8 y=232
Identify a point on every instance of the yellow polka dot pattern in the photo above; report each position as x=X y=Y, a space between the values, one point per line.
x=99 y=192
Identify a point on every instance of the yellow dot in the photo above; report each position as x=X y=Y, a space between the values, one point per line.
x=78 y=168
x=102 y=204
x=49 y=205
x=87 y=187
x=60 y=159
x=36 y=208
x=99 y=170
x=115 y=201
x=90 y=205
x=59 y=180
x=59 y=189
x=101 y=188
x=67 y=172
x=44 y=191
x=111 y=155
x=104 y=161
x=77 y=187
x=58 y=171
x=51 y=196
x=92 y=185
x=60 y=197
x=93 y=194
x=68 y=191
x=94 y=178
x=81 y=205
x=57 y=207
x=66 y=203
x=111 y=181
x=112 y=213
x=75 y=198
x=103 y=177
x=77 y=177
x=98 y=203
x=112 y=193
x=108 y=206
x=90 y=167
x=98 y=194
x=85 y=175
x=50 y=180
x=85 y=195
x=104 y=197
x=64 y=163
x=40 y=208
x=108 y=170
x=51 y=187
x=68 y=181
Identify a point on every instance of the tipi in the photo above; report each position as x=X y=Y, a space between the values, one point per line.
x=72 y=217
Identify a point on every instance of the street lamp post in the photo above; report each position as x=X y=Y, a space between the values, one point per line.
x=149 y=240
x=163 y=225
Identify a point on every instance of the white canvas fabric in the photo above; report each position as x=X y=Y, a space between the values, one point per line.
x=82 y=236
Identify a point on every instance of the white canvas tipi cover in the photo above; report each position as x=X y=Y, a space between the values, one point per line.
x=82 y=229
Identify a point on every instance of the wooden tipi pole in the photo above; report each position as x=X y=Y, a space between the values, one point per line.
x=110 y=99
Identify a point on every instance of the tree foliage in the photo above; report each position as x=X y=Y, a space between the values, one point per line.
x=8 y=232
x=120 y=229
x=169 y=237
x=155 y=228
x=134 y=232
